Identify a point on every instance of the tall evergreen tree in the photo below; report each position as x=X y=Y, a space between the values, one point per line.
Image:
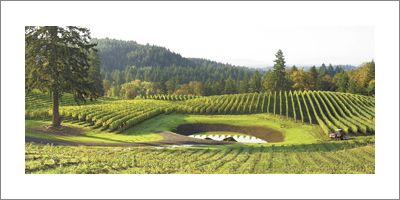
x=255 y=83
x=244 y=84
x=314 y=77
x=371 y=70
x=322 y=70
x=116 y=77
x=277 y=80
x=57 y=61
x=207 y=88
x=371 y=78
x=320 y=81
x=338 y=69
x=230 y=86
x=95 y=78
x=330 y=70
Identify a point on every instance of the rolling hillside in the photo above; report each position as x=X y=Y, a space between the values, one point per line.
x=330 y=110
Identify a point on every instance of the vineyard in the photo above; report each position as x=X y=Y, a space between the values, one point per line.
x=38 y=105
x=330 y=110
x=304 y=118
x=168 y=97
x=37 y=100
x=332 y=158
x=254 y=104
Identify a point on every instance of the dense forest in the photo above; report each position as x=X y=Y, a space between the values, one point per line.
x=130 y=69
x=119 y=54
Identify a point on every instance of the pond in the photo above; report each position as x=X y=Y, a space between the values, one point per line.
x=237 y=138
x=250 y=134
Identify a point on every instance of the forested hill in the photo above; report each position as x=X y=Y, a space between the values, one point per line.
x=118 y=54
x=129 y=69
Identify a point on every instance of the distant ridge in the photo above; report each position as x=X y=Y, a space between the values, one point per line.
x=118 y=54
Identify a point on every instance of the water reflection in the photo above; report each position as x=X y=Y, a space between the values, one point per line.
x=238 y=138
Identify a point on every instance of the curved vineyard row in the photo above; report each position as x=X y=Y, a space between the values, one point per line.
x=115 y=116
x=331 y=110
x=36 y=100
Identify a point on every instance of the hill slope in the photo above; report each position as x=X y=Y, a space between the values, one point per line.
x=118 y=54
x=331 y=110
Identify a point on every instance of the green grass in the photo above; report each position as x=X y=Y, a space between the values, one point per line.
x=90 y=135
x=164 y=122
x=294 y=133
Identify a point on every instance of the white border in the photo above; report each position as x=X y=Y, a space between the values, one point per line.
x=384 y=16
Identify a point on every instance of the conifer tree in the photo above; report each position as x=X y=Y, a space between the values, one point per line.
x=57 y=61
x=255 y=83
x=277 y=80
x=314 y=77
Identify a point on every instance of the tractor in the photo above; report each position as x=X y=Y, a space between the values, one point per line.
x=339 y=135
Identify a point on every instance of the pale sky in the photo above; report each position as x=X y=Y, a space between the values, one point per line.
x=241 y=35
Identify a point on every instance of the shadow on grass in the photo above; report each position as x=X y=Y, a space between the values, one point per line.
x=160 y=123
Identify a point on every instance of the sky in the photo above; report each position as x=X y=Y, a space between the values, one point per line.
x=242 y=35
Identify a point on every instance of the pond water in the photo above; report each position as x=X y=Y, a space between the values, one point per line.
x=247 y=134
x=238 y=138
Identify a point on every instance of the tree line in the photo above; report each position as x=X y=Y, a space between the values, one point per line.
x=217 y=80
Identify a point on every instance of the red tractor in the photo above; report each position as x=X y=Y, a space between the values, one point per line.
x=339 y=135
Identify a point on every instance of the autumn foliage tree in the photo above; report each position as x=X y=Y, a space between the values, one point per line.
x=301 y=80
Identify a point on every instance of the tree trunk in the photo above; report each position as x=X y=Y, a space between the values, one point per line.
x=56 y=115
